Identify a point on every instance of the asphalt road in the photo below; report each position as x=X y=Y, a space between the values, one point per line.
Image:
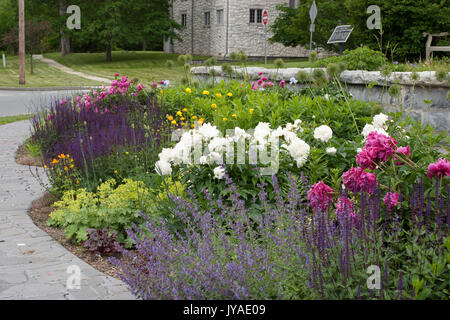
x=22 y=102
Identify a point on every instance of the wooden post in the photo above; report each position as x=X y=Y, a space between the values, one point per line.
x=21 y=42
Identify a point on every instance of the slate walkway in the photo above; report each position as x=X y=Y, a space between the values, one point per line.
x=32 y=264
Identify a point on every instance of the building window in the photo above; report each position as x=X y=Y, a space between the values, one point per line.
x=256 y=15
x=184 y=19
x=292 y=3
x=207 y=19
x=220 y=16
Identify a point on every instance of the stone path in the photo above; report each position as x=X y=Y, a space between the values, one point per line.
x=65 y=69
x=32 y=264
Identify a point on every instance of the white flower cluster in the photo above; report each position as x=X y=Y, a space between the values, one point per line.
x=378 y=125
x=323 y=133
x=192 y=141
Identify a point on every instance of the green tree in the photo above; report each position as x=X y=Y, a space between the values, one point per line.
x=403 y=23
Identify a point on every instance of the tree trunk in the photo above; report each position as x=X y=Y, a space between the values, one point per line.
x=144 y=45
x=64 y=40
x=108 y=52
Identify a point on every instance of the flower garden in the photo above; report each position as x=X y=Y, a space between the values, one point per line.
x=250 y=190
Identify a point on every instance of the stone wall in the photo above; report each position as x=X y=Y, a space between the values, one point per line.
x=425 y=99
x=242 y=35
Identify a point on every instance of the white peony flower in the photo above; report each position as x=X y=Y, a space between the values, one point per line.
x=323 y=133
x=203 y=160
x=163 y=168
x=358 y=150
x=368 y=128
x=379 y=120
x=218 y=144
x=219 y=172
x=208 y=131
x=299 y=150
x=262 y=132
x=331 y=150
x=293 y=81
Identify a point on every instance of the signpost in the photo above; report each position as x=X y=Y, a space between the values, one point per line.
x=312 y=15
x=340 y=34
x=265 y=19
x=4 y=61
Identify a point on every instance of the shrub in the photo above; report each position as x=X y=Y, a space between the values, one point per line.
x=362 y=58
x=103 y=241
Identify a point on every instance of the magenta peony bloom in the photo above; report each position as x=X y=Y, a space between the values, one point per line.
x=366 y=159
x=282 y=83
x=382 y=146
x=344 y=209
x=391 y=200
x=260 y=74
x=139 y=87
x=320 y=196
x=117 y=74
x=356 y=180
x=439 y=168
x=406 y=151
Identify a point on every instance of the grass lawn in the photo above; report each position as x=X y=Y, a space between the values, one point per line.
x=145 y=66
x=44 y=75
x=10 y=119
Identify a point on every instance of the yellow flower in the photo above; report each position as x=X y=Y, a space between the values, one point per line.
x=182 y=118
x=62 y=156
x=182 y=123
x=214 y=105
x=71 y=166
x=170 y=118
x=218 y=95
x=229 y=94
x=184 y=110
x=234 y=115
x=174 y=122
x=201 y=120
x=116 y=172
x=205 y=92
x=71 y=160
x=78 y=181
x=192 y=126
x=127 y=153
x=161 y=91
x=188 y=90
x=65 y=168
x=179 y=113
x=251 y=111
x=194 y=118
x=55 y=161
x=67 y=156
x=225 y=119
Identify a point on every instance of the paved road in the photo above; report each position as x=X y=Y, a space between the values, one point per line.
x=21 y=102
x=32 y=264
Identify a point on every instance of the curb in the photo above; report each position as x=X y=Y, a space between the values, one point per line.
x=47 y=88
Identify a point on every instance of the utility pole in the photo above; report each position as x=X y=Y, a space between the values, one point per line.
x=21 y=42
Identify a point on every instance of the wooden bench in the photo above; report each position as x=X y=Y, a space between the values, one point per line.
x=430 y=48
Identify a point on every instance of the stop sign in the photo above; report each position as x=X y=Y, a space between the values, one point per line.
x=265 y=17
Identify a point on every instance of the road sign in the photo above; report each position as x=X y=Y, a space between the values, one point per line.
x=340 y=34
x=265 y=17
x=313 y=12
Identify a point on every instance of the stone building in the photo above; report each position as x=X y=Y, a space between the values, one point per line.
x=219 y=27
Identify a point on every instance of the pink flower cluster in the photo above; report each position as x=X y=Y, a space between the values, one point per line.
x=391 y=200
x=320 y=196
x=356 y=180
x=378 y=148
x=262 y=83
x=118 y=87
x=344 y=209
x=406 y=151
x=439 y=168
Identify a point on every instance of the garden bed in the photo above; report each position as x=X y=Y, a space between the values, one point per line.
x=327 y=186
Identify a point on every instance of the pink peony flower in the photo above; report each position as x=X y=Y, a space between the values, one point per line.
x=344 y=209
x=117 y=74
x=139 y=87
x=391 y=200
x=356 y=180
x=282 y=84
x=406 y=151
x=260 y=74
x=439 y=168
x=382 y=145
x=320 y=196
x=365 y=159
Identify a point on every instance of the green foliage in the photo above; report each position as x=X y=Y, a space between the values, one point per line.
x=403 y=23
x=112 y=207
x=362 y=58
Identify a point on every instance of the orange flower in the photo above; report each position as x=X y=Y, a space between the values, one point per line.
x=55 y=161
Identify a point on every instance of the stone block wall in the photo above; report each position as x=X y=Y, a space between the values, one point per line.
x=242 y=35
